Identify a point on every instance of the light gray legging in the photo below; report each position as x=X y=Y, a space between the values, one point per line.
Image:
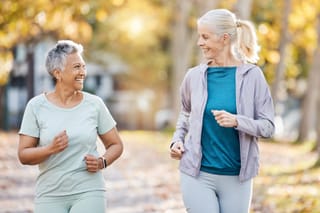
x=209 y=193
x=94 y=202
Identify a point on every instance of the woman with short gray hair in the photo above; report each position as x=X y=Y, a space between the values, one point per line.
x=58 y=132
x=225 y=107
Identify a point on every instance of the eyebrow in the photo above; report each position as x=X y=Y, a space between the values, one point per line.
x=78 y=63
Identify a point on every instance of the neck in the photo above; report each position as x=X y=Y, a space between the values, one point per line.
x=225 y=59
x=65 y=97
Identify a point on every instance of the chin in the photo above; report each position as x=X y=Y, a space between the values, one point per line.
x=78 y=88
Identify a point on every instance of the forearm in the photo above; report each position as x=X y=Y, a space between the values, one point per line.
x=182 y=127
x=112 y=153
x=34 y=155
x=258 y=128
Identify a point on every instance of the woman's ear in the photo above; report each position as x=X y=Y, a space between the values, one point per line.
x=57 y=74
x=226 y=38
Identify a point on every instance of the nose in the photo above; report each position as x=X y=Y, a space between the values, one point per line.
x=200 y=42
x=83 y=71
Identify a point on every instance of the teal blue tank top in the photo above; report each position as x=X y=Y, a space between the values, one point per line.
x=220 y=145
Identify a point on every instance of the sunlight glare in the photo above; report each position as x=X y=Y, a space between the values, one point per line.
x=135 y=26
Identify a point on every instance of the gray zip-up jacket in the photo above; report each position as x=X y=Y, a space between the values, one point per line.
x=255 y=115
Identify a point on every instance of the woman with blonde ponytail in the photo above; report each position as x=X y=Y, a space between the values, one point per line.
x=225 y=107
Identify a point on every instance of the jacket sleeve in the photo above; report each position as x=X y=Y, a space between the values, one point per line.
x=262 y=123
x=182 y=125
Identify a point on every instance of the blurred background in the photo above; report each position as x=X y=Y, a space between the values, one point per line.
x=137 y=52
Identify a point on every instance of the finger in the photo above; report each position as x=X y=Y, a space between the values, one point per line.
x=214 y=112
x=217 y=112
x=173 y=153
x=90 y=158
x=92 y=166
x=176 y=151
x=176 y=155
x=62 y=133
x=220 y=116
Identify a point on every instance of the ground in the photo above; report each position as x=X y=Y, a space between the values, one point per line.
x=146 y=180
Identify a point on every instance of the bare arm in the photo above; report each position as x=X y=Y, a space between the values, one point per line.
x=113 y=145
x=29 y=153
x=114 y=148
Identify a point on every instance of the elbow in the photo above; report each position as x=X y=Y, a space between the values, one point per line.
x=268 y=130
x=23 y=159
x=121 y=148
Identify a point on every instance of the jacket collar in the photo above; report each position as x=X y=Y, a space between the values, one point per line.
x=242 y=69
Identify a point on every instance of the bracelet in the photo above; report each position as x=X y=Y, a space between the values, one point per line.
x=104 y=162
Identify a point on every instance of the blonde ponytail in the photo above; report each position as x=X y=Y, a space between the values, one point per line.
x=247 y=46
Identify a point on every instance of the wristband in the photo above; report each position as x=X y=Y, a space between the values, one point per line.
x=104 y=162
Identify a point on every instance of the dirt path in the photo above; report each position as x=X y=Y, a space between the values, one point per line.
x=144 y=180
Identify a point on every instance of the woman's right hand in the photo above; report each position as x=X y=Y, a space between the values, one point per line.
x=177 y=150
x=30 y=153
x=59 y=143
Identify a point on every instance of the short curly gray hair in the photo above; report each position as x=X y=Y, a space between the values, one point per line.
x=57 y=56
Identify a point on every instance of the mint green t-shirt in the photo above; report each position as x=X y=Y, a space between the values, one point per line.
x=65 y=173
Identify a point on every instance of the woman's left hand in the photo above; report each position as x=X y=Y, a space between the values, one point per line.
x=93 y=163
x=225 y=119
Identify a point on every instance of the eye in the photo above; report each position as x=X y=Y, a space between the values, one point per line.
x=205 y=37
x=77 y=66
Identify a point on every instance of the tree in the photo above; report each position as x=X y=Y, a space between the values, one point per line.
x=243 y=9
x=315 y=69
x=283 y=43
x=309 y=102
x=181 y=49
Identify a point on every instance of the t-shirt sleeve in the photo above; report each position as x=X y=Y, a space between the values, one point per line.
x=105 y=119
x=29 y=125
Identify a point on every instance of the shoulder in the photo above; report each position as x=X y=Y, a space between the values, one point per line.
x=37 y=100
x=195 y=72
x=92 y=99
x=251 y=71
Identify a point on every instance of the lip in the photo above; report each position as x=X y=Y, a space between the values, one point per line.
x=205 y=50
x=80 y=80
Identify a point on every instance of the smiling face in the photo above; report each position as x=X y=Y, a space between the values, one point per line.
x=211 y=44
x=74 y=72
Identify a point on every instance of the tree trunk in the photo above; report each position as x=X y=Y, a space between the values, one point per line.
x=309 y=105
x=315 y=67
x=30 y=75
x=284 y=40
x=181 y=50
x=243 y=8
x=2 y=107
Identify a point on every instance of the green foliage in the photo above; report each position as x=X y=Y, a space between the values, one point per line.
x=138 y=33
x=302 y=35
x=28 y=21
